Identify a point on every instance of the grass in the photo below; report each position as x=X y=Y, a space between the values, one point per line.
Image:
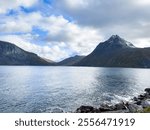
x=146 y=110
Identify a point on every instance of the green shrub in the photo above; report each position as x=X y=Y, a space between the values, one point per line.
x=146 y=110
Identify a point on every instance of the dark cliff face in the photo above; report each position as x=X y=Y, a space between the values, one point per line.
x=10 y=54
x=116 y=52
x=70 y=61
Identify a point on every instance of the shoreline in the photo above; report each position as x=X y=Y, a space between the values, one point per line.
x=141 y=103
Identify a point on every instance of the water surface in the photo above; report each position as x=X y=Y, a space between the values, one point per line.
x=49 y=89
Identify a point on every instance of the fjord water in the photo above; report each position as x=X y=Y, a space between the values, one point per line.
x=51 y=89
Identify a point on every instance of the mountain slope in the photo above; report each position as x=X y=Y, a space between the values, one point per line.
x=10 y=54
x=116 y=52
x=70 y=61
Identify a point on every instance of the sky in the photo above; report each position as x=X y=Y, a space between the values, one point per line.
x=58 y=29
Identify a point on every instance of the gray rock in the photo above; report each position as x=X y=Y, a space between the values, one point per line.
x=147 y=90
x=120 y=106
x=146 y=103
x=147 y=95
x=86 y=109
x=134 y=107
x=135 y=99
x=141 y=97
x=105 y=107
x=139 y=102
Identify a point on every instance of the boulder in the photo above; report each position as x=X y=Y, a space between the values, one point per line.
x=146 y=103
x=138 y=102
x=147 y=90
x=86 y=109
x=135 y=99
x=120 y=106
x=134 y=108
x=141 y=97
x=147 y=95
x=105 y=107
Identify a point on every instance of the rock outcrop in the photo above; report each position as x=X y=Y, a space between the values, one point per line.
x=137 y=104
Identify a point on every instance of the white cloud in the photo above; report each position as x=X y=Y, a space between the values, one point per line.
x=142 y=42
x=80 y=40
x=76 y=4
x=54 y=53
x=6 y=5
x=53 y=24
x=142 y=2
x=26 y=3
x=65 y=38
x=21 y=23
x=15 y=26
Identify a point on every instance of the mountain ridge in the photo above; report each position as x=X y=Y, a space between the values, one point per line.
x=116 y=52
x=10 y=54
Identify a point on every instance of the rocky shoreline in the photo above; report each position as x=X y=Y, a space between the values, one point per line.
x=137 y=104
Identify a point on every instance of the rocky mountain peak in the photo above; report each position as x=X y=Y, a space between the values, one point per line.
x=116 y=41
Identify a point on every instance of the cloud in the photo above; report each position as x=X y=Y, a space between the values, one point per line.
x=101 y=13
x=19 y=23
x=142 y=42
x=14 y=4
x=79 y=40
x=63 y=37
x=54 y=53
x=65 y=28
x=142 y=2
x=15 y=26
x=76 y=4
x=127 y=18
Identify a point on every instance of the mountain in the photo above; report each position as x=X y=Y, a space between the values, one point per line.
x=10 y=54
x=117 y=52
x=70 y=61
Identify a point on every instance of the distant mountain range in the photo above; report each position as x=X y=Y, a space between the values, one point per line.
x=70 y=61
x=10 y=54
x=115 y=52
